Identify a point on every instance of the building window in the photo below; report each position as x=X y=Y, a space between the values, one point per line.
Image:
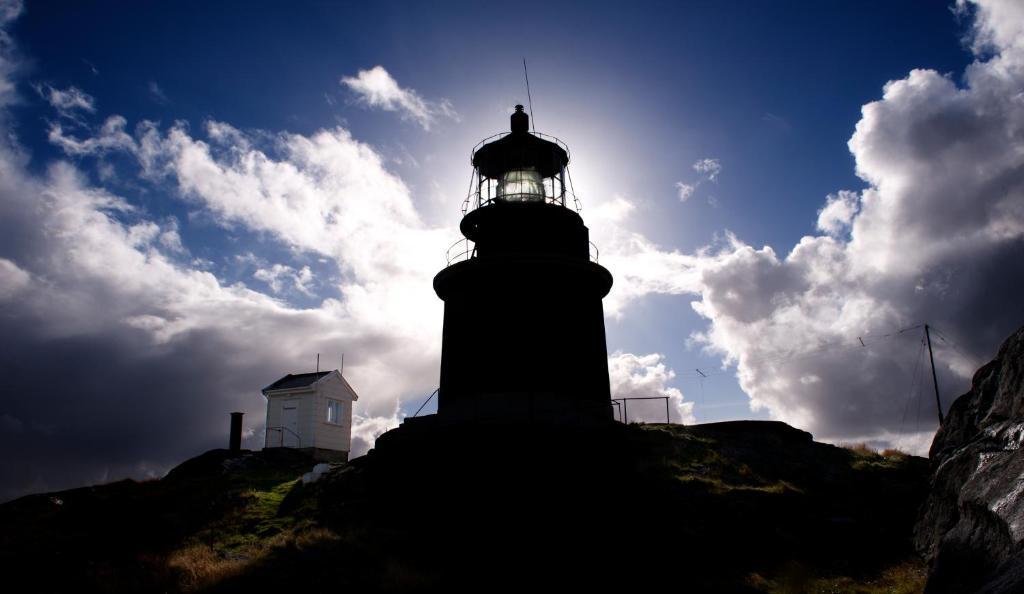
x=334 y=412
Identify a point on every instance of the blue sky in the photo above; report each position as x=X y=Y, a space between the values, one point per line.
x=770 y=92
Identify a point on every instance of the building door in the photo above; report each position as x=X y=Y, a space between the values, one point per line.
x=290 y=424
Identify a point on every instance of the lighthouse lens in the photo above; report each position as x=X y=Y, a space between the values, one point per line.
x=521 y=185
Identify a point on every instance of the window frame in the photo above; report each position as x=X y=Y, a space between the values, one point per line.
x=340 y=411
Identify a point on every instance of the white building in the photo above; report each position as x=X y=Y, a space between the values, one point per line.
x=312 y=412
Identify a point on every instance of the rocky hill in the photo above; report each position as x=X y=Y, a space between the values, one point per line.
x=728 y=507
x=972 y=525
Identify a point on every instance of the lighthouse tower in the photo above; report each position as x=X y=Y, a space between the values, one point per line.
x=524 y=338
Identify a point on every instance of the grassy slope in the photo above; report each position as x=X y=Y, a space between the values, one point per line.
x=731 y=507
x=203 y=521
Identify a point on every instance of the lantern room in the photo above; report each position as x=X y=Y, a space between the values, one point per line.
x=518 y=166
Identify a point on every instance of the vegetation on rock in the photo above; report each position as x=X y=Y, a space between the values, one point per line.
x=740 y=506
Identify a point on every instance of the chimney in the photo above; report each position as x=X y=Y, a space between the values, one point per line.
x=235 y=441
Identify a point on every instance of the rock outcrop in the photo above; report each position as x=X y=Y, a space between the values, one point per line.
x=742 y=506
x=971 y=528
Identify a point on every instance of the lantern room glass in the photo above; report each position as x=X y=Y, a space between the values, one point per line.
x=521 y=185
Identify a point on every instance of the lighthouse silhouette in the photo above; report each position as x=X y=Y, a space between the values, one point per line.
x=524 y=337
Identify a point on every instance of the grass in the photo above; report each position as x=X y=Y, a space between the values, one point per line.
x=254 y=519
x=860 y=449
x=908 y=577
x=719 y=486
x=866 y=457
x=698 y=461
x=255 y=525
x=200 y=565
x=252 y=530
x=863 y=449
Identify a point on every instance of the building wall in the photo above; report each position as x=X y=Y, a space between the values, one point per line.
x=306 y=406
x=330 y=436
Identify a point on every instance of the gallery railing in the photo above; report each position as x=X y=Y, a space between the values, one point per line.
x=465 y=249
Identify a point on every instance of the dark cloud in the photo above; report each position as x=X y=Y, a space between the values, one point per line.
x=103 y=406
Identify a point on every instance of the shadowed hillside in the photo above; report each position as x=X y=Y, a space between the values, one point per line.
x=739 y=506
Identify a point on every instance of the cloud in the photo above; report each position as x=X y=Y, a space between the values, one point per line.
x=110 y=137
x=646 y=376
x=145 y=343
x=685 y=191
x=170 y=239
x=13 y=280
x=937 y=236
x=280 y=278
x=997 y=25
x=9 y=11
x=709 y=167
x=837 y=214
x=157 y=94
x=308 y=193
x=777 y=122
x=68 y=101
x=376 y=88
x=144 y=349
x=92 y=67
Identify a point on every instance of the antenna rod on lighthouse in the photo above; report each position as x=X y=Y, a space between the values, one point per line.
x=935 y=381
x=529 y=99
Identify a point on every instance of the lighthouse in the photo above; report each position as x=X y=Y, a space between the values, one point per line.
x=524 y=337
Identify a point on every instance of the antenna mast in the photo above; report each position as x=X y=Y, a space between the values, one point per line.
x=935 y=381
x=529 y=99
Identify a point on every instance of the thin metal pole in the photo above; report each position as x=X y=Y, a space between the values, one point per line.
x=625 y=411
x=533 y=121
x=935 y=381
x=432 y=394
x=318 y=362
x=667 y=418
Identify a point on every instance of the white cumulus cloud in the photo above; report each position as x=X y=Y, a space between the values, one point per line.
x=13 y=280
x=643 y=377
x=281 y=278
x=937 y=237
x=100 y=288
x=378 y=89
x=837 y=214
